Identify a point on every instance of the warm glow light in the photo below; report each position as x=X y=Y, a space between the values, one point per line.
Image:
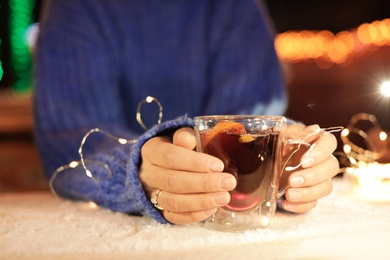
x=370 y=181
x=347 y=148
x=149 y=99
x=122 y=140
x=88 y=173
x=73 y=164
x=326 y=49
x=345 y=132
x=382 y=136
x=385 y=88
x=92 y=205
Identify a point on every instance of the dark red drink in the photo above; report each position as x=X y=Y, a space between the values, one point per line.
x=250 y=157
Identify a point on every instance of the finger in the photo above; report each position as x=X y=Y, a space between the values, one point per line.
x=299 y=131
x=304 y=199
x=316 y=174
x=320 y=150
x=192 y=202
x=185 y=137
x=298 y=207
x=307 y=194
x=187 y=182
x=159 y=151
x=183 y=218
x=298 y=140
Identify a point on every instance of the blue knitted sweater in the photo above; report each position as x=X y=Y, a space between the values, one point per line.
x=96 y=59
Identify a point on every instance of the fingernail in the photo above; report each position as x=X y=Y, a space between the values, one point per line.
x=216 y=166
x=227 y=183
x=209 y=212
x=287 y=206
x=296 y=181
x=307 y=162
x=294 y=195
x=221 y=199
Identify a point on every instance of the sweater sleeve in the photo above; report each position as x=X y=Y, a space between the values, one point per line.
x=78 y=88
x=114 y=182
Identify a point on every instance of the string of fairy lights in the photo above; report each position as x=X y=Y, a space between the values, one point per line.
x=323 y=47
x=326 y=49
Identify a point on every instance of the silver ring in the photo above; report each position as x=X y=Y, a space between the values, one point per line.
x=154 y=199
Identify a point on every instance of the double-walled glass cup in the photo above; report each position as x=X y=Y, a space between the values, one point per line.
x=251 y=148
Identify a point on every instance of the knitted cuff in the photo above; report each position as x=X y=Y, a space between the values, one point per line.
x=137 y=193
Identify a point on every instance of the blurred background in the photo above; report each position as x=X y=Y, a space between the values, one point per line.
x=336 y=55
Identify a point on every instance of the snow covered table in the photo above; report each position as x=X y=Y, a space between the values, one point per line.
x=42 y=226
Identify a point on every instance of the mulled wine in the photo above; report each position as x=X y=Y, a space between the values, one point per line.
x=250 y=157
x=250 y=147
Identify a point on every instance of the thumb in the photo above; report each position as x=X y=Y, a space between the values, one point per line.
x=185 y=137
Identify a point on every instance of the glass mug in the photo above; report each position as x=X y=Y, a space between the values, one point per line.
x=251 y=148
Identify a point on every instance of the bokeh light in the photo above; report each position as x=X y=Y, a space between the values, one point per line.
x=326 y=48
x=385 y=88
x=20 y=18
x=1 y=64
x=1 y=70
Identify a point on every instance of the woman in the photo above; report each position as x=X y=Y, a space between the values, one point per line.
x=96 y=60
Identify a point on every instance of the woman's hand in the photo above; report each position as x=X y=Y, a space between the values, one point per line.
x=192 y=184
x=313 y=179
